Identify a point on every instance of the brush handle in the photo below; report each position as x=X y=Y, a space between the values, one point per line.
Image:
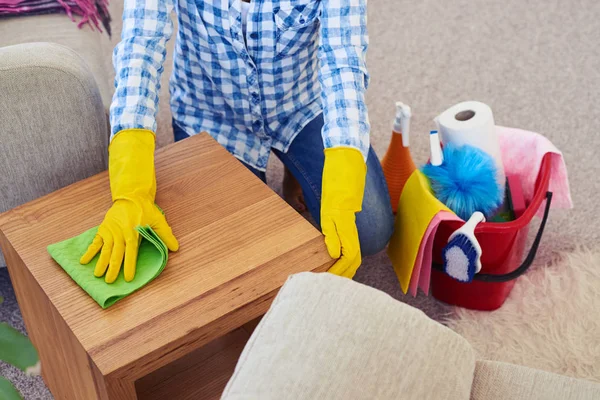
x=472 y=223
x=468 y=229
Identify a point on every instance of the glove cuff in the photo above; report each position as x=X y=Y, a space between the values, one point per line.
x=131 y=164
x=344 y=176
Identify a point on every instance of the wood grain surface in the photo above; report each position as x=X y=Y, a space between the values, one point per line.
x=238 y=244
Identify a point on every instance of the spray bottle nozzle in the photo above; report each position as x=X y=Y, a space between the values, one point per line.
x=402 y=122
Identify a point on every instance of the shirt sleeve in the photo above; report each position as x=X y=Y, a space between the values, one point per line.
x=138 y=61
x=343 y=74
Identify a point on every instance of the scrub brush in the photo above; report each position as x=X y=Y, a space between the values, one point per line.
x=397 y=164
x=462 y=254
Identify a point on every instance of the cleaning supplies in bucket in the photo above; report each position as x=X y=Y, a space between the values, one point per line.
x=410 y=248
x=424 y=224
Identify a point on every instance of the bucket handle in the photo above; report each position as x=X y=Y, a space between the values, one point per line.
x=530 y=257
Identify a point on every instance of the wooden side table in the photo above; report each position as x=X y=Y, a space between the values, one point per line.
x=180 y=336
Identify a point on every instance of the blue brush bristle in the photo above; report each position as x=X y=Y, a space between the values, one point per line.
x=466 y=181
x=460 y=258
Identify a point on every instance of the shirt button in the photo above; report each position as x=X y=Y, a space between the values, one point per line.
x=257 y=124
x=254 y=35
x=255 y=97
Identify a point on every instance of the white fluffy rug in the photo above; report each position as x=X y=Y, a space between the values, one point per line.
x=550 y=321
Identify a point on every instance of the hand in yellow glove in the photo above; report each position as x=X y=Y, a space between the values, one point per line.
x=133 y=187
x=344 y=176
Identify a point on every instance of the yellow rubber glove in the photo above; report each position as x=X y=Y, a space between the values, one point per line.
x=133 y=188
x=344 y=176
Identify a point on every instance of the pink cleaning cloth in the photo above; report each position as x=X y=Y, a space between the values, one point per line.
x=421 y=274
x=522 y=154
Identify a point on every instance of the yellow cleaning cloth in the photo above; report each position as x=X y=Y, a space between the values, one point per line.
x=416 y=208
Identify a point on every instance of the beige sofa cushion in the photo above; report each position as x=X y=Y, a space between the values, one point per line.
x=329 y=337
x=501 y=381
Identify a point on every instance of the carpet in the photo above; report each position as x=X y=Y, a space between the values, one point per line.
x=535 y=63
x=549 y=322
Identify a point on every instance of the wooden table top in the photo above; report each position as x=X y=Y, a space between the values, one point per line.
x=239 y=242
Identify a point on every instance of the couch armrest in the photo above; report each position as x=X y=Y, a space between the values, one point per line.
x=503 y=381
x=53 y=125
x=327 y=337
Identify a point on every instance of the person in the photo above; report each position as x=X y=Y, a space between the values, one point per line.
x=282 y=76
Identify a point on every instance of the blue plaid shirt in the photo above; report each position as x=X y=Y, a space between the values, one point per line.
x=251 y=92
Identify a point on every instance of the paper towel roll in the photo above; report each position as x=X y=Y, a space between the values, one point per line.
x=472 y=123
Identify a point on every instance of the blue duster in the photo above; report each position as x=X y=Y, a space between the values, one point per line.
x=466 y=181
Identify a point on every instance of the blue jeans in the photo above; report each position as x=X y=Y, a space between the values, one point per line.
x=305 y=160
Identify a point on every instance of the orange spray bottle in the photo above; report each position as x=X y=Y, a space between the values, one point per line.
x=397 y=164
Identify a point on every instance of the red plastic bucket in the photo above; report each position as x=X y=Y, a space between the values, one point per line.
x=503 y=247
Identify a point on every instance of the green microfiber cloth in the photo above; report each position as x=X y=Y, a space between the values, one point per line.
x=152 y=258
